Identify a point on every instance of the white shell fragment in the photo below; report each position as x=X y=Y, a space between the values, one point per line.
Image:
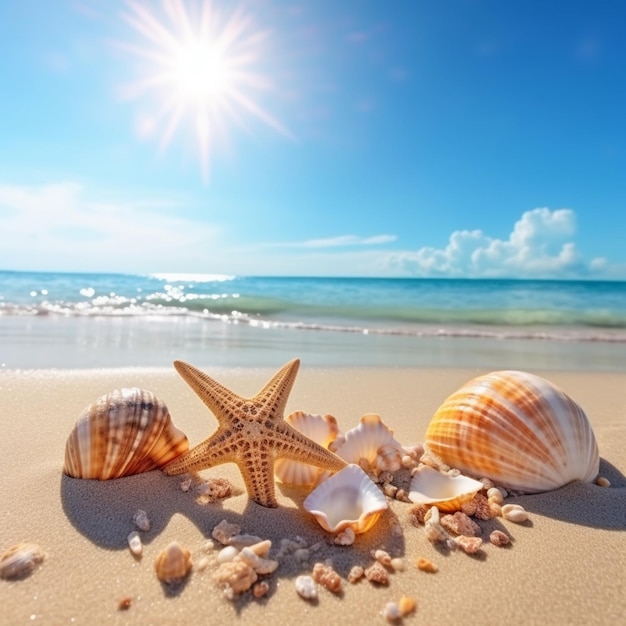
x=134 y=543
x=306 y=587
x=124 y=432
x=322 y=430
x=348 y=498
x=514 y=513
x=173 y=563
x=20 y=561
x=517 y=429
x=446 y=492
x=370 y=440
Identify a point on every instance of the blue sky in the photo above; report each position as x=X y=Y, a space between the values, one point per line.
x=314 y=137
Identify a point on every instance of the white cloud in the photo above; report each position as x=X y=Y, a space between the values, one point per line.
x=540 y=246
x=337 y=242
x=61 y=227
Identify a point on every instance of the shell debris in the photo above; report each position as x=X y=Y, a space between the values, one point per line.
x=355 y=574
x=425 y=565
x=514 y=513
x=306 y=587
x=225 y=531
x=499 y=538
x=326 y=576
x=376 y=573
x=235 y=577
x=134 y=543
x=20 y=561
x=173 y=563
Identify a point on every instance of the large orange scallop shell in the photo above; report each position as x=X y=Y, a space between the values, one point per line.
x=126 y=431
x=516 y=428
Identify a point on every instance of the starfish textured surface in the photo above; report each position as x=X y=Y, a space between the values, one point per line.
x=252 y=433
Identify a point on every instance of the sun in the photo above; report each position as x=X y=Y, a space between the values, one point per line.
x=200 y=68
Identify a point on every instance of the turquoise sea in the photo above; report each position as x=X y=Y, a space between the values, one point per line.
x=120 y=320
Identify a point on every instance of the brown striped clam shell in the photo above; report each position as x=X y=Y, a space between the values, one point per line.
x=516 y=428
x=126 y=431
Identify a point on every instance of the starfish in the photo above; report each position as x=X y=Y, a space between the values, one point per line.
x=252 y=433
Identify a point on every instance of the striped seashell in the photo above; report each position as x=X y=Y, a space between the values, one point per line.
x=322 y=430
x=518 y=429
x=369 y=440
x=127 y=431
x=348 y=499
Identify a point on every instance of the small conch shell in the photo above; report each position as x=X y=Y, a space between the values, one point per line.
x=124 y=432
x=517 y=429
x=322 y=430
x=431 y=487
x=348 y=499
x=366 y=441
x=173 y=563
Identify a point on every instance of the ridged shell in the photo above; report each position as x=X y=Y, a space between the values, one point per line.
x=447 y=493
x=322 y=430
x=365 y=440
x=173 y=563
x=518 y=429
x=124 y=432
x=348 y=499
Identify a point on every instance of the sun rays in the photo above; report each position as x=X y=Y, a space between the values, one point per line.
x=200 y=69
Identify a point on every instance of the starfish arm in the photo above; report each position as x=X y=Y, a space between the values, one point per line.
x=297 y=447
x=274 y=395
x=213 y=451
x=258 y=475
x=219 y=399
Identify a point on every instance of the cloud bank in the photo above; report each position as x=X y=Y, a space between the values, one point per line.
x=540 y=246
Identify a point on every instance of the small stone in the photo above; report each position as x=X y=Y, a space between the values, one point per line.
x=355 y=574
x=241 y=541
x=382 y=557
x=185 y=485
x=469 y=545
x=225 y=531
x=398 y=564
x=482 y=511
x=261 y=565
x=134 y=543
x=495 y=495
x=407 y=605
x=376 y=573
x=301 y=555
x=124 y=604
x=499 y=538
x=424 y=565
x=327 y=577
x=495 y=509
x=514 y=513
x=227 y=554
x=601 y=481
x=460 y=524
x=234 y=578
x=306 y=587
x=140 y=518
x=260 y=589
x=391 y=612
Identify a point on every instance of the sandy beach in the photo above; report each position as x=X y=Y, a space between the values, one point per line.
x=566 y=565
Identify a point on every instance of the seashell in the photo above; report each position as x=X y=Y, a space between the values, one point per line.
x=348 y=498
x=20 y=561
x=322 y=430
x=127 y=431
x=429 y=486
x=517 y=429
x=367 y=439
x=173 y=563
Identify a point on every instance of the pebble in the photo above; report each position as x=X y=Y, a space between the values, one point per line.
x=601 y=481
x=499 y=538
x=134 y=543
x=425 y=565
x=140 y=518
x=306 y=587
x=514 y=513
